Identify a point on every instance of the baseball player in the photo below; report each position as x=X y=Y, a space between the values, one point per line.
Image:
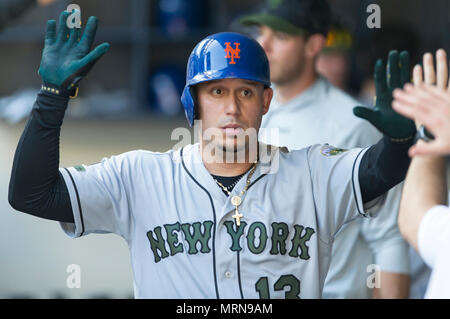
x=307 y=110
x=424 y=218
x=199 y=226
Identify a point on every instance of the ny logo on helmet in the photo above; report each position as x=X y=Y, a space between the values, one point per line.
x=232 y=53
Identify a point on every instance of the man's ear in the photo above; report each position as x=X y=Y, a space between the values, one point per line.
x=268 y=94
x=314 y=45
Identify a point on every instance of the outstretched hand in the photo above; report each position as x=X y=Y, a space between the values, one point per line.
x=67 y=58
x=382 y=116
x=428 y=103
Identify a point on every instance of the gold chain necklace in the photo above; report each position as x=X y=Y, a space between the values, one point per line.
x=236 y=200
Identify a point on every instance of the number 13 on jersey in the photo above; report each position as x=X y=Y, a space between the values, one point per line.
x=290 y=281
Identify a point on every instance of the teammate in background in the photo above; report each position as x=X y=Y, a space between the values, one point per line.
x=307 y=109
x=424 y=218
x=333 y=62
x=198 y=222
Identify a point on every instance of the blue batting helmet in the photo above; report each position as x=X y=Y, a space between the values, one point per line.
x=222 y=56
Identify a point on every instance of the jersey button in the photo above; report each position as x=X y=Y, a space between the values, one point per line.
x=228 y=274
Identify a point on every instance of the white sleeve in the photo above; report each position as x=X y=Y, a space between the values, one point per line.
x=100 y=197
x=433 y=233
x=336 y=189
x=390 y=250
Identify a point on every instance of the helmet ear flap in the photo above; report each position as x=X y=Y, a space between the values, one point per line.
x=188 y=102
x=196 y=114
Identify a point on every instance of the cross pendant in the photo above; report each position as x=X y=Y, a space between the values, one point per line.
x=237 y=216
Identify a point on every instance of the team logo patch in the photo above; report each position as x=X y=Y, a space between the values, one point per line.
x=328 y=150
x=232 y=53
x=80 y=168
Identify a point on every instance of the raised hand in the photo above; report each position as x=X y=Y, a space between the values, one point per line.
x=432 y=77
x=66 y=58
x=428 y=103
x=382 y=116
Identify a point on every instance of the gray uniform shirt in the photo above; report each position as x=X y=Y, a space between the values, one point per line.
x=183 y=240
x=323 y=114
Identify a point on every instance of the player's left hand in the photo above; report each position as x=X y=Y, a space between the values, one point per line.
x=382 y=116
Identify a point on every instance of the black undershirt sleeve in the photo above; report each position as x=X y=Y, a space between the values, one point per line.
x=382 y=167
x=36 y=186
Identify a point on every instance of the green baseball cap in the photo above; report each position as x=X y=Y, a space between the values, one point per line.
x=296 y=17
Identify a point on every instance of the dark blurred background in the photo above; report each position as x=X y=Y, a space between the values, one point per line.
x=151 y=41
x=130 y=100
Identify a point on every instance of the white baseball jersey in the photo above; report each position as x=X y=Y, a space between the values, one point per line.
x=434 y=244
x=324 y=114
x=183 y=240
x=420 y=271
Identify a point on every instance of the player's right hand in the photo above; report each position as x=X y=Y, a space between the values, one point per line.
x=66 y=57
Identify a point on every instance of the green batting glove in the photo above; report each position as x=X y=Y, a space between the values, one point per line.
x=66 y=58
x=382 y=116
